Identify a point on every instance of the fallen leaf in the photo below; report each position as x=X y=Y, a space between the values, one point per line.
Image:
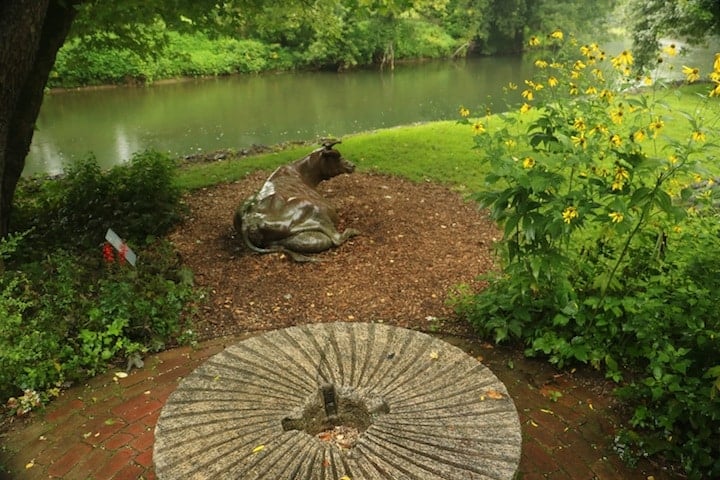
x=545 y=410
x=121 y=374
x=344 y=477
x=258 y=448
x=30 y=464
x=494 y=394
x=434 y=355
x=590 y=405
x=532 y=422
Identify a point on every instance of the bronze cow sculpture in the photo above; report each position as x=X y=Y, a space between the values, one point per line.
x=288 y=215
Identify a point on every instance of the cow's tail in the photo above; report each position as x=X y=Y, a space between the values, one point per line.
x=243 y=227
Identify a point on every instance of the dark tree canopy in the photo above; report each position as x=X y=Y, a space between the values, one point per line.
x=692 y=20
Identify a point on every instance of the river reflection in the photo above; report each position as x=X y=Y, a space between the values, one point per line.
x=236 y=112
x=196 y=116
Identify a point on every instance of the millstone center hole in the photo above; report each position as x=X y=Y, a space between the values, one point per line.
x=336 y=409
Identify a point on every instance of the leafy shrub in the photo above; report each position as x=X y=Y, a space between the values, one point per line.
x=138 y=200
x=67 y=316
x=610 y=242
x=70 y=307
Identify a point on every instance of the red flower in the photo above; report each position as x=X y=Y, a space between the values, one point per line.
x=108 y=253
x=123 y=251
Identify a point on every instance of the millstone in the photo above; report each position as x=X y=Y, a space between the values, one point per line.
x=339 y=401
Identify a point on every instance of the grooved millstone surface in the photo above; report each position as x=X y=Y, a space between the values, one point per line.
x=423 y=409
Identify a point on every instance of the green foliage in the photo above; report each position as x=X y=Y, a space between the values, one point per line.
x=610 y=242
x=651 y=20
x=67 y=316
x=139 y=201
x=144 y=41
x=72 y=310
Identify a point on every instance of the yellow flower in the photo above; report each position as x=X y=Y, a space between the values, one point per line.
x=534 y=41
x=579 y=65
x=624 y=59
x=591 y=90
x=607 y=95
x=617 y=115
x=579 y=124
x=528 y=95
x=698 y=136
x=525 y=108
x=598 y=74
x=478 y=128
x=528 y=162
x=553 y=82
x=557 y=35
x=574 y=74
x=512 y=86
x=622 y=173
x=569 y=214
x=715 y=92
x=579 y=140
x=691 y=74
x=574 y=89
x=616 y=140
x=510 y=143
x=541 y=63
x=673 y=159
x=600 y=128
x=655 y=126
x=616 y=217
x=464 y=112
x=670 y=50
x=639 y=135
x=647 y=81
x=716 y=63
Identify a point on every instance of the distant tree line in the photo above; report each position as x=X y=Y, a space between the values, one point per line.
x=246 y=36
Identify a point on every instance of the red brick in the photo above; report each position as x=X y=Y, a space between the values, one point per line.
x=92 y=462
x=65 y=463
x=144 y=441
x=145 y=458
x=162 y=391
x=136 y=408
x=572 y=464
x=151 y=420
x=149 y=475
x=100 y=429
x=116 y=463
x=129 y=472
x=61 y=410
x=536 y=459
x=117 y=441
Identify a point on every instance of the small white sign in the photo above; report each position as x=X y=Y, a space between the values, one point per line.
x=121 y=246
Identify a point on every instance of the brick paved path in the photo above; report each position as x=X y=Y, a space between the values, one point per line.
x=104 y=430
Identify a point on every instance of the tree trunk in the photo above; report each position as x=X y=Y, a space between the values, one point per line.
x=31 y=33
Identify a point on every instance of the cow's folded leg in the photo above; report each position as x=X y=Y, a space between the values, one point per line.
x=307 y=242
x=348 y=233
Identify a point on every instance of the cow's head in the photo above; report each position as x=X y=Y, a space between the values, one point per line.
x=331 y=162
